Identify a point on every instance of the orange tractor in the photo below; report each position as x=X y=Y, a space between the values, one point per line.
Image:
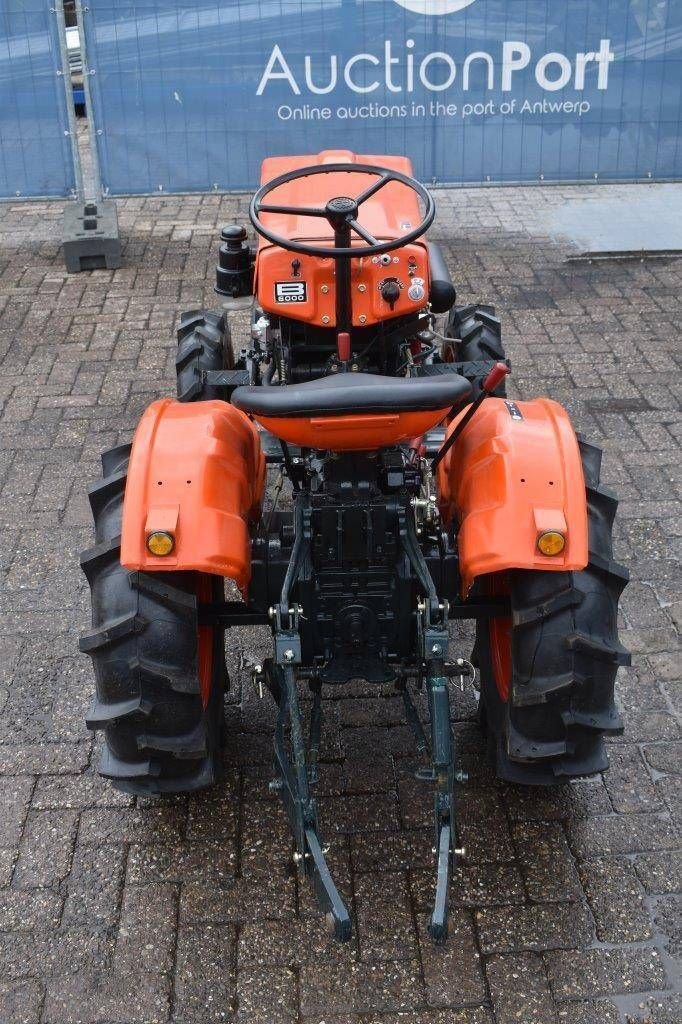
x=419 y=494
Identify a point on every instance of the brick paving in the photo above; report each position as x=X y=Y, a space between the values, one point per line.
x=116 y=911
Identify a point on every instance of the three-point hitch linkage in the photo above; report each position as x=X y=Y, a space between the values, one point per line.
x=296 y=761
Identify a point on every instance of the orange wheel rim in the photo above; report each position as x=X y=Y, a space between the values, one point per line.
x=204 y=593
x=500 y=632
x=501 y=655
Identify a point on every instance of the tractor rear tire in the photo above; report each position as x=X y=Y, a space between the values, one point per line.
x=160 y=677
x=548 y=672
x=477 y=335
x=204 y=343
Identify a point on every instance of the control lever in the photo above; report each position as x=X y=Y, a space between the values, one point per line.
x=493 y=379
x=390 y=290
x=343 y=346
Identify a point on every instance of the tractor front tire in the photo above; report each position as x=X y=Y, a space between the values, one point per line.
x=548 y=672
x=477 y=340
x=204 y=343
x=160 y=676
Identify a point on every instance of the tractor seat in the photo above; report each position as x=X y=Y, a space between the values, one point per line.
x=353 y=411
x=353 y=394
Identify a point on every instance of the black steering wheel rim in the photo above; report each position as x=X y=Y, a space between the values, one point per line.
x=376 y=248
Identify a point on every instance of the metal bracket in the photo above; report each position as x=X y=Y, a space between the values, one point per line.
x=287 y=647
x=433 y=637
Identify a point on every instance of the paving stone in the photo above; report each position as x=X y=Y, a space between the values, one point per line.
x=265 y=840
x=76 y=791
x=15 y=796
x=519 y=989
x=27 y=910
x=486 y=840
x=617 y=901
x=664 y=757
x=642 y=726
x=612 y=835
x=20 y=1002
x=151 y=824
x=581 y=799
x=8 y=858
x=534 y=927
x=213 y=816
x=472 y=885
x=359 y=813
x=473 y=1015
x=391 y=851
x=331 y=988
x=597 y=1011
x=660 y=872
x=47 y=758
x=46 y=848
x=453 y=972
x=70 y=951
x=238 y=900
x=267 y=996
x=186 y=862
x=204 y=989
x=582 y=974
x=384 y=917
x=670 y=790
x=290 y=943
x=668 y=920
x=628 y=782
x=107 y=999
x=17 y=956
x=146 y=930
x=94 y=885
x=546 y=863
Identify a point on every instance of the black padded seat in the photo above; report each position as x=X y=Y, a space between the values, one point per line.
x=343 y=394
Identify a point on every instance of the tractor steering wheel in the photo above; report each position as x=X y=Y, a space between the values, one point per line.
x=342 y=213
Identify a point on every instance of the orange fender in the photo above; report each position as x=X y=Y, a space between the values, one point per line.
x=515 y=472
x=197 y=471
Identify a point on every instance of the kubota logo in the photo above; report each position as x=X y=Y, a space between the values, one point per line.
x=434 y=7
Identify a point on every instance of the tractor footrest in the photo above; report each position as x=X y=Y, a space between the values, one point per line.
x=227 y=379
x=471 y=370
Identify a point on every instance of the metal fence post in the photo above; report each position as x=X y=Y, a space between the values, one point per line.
x=58 y=11
x=81 y=12
x=91 y=239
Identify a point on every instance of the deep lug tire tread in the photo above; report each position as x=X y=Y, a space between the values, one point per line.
x=204 y=343
x=143 y=643
x=477 y=334
x=565 y=654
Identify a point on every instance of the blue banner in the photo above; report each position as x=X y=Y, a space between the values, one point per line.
x=35 y=150
x=193 y=96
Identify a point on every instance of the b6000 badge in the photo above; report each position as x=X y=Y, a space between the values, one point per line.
x=290 y=291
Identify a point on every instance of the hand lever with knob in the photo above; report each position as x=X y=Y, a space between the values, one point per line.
x=390 y=290
x=493 y=379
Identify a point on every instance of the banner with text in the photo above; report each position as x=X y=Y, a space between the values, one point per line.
x=193 y=96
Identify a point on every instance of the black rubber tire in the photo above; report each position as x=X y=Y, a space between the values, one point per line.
x=565 y=654
x=144 y=645
x=477 y=335
x=204 y=343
